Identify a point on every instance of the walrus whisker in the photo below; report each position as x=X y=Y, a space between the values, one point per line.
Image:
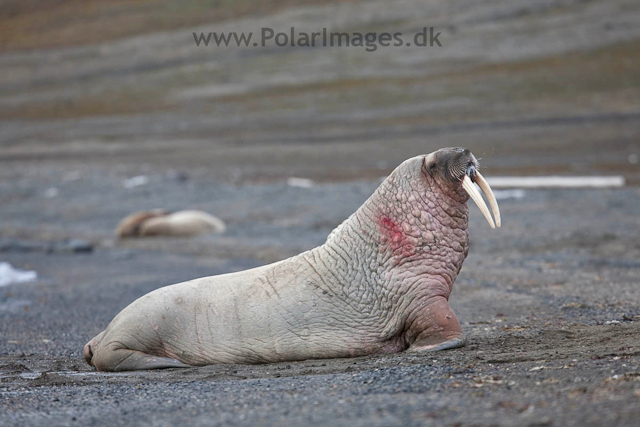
x=486 y=189
x=477 y=198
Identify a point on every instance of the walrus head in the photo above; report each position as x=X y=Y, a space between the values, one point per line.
x=458 y=168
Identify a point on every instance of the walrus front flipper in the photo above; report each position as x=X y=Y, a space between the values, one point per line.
x=447 y=345
x=440 y=328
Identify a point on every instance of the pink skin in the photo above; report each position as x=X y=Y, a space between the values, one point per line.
x=421 y=240
x=393 y=237
x=414 y=250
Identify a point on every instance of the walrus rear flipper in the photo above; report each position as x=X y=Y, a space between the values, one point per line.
x=137 y=360
x=124 y=359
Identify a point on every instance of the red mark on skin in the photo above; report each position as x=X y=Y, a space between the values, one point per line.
x=394 y=239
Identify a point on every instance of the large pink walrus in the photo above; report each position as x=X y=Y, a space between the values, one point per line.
x=380 y=284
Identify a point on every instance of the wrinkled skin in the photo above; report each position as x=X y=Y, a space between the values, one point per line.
x=380 y=284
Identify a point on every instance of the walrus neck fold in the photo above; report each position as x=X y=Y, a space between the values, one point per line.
x=410 y=228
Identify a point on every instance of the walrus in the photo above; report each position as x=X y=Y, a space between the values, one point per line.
x=159 y=222
x=379 y=284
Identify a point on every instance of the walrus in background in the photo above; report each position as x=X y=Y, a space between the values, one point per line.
x=379 y=284
x=158 y=222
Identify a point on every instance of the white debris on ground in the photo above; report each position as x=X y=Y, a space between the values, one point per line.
x=51 y=192
x=556 y=181
x=509 y=194
x=10 y=275
x=300 y=182
x=135 y=181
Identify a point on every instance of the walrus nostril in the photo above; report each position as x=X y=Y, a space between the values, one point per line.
x=471 y=172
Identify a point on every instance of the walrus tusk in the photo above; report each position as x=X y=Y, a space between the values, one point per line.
x=475 y=195
x=486 y=189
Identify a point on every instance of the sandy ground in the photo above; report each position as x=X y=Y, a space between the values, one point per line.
x=550 y=302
